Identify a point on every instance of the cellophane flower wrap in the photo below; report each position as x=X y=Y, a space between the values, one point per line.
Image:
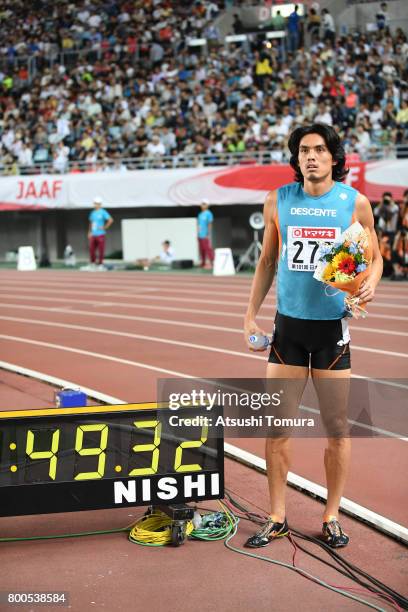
x=346 y=263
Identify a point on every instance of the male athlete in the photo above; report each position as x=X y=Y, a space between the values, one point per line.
x=310 y=324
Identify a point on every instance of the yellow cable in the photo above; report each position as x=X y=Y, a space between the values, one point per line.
x=155 y=530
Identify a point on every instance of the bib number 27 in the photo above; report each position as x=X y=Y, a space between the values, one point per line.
x=303 y=246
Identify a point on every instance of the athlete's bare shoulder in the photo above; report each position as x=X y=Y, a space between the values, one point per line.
x=362 y=201
x=363 y=210
x=270 y=207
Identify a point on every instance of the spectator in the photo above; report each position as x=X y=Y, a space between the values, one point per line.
x=402 y=115
x=25 y=158
x=60 y=161
x=237 y=24
x=329 y=30
x=155 y=148
x=277 y=21
x=381 y=17
x=313 y=25
x=363 y=141
x=324 y=115
x=293 y=29
x=117 y=165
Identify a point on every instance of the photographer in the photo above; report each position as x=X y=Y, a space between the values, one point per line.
x=403 y=211
x=386 y=253
x=400 y=255
x=387 y=213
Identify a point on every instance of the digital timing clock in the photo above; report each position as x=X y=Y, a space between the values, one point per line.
x=68 y=459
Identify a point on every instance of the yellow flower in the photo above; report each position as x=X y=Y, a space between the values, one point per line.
x=337 y=259
x=328 y=272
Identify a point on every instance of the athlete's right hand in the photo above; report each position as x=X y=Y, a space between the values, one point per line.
x=251 y=328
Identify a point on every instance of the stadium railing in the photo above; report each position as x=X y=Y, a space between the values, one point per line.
x=181 y=161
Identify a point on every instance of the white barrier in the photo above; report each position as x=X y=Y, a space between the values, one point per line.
x=223 y=263
x=26 y=259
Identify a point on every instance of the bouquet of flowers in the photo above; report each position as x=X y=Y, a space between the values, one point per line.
x=346 y=263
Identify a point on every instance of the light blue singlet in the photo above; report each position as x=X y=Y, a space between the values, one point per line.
x=303 y=222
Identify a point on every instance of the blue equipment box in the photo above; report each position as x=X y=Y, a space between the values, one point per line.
x=70 y=398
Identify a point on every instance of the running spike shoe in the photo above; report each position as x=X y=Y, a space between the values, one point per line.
x=333 y=534
x=270 y=531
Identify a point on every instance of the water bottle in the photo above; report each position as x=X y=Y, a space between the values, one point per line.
x=259 y=341
x=197 y=520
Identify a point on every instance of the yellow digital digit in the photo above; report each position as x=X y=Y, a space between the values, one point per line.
x=190 y=467
x=97 y=450
x=50 y=454
x=152 y=446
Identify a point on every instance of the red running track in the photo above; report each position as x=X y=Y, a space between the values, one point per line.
x=119 y=332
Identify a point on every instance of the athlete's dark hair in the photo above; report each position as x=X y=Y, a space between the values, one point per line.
x=333 y=143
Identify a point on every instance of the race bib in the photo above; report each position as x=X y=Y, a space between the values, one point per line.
x=303 y=245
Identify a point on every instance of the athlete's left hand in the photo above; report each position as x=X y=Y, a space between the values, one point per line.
x=366 y=291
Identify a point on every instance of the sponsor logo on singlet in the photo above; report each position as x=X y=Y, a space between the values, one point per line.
x=314 y=212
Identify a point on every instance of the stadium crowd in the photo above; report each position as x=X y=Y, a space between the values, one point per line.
x=103 y=82
x=108 y=84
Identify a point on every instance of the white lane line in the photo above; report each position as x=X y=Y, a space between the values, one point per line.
x=190 y=279
x=112 y=332
x=349 y=507
x=165 y=308
x=202 y=347
x=134 y=284
x=121 y=294
x=91 y=313
x=131 y=305
x=60 y=382
x=173 y=322
x=137 y=364
x=133 y=289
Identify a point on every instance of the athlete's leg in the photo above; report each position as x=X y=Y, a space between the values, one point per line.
x=278 y=449
x=332 y=388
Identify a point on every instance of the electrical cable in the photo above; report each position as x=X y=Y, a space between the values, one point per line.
x=351 y=569
x=365 y=587
x=383 y=590
x=65 y=535
x=298 y=570
x=155 y=529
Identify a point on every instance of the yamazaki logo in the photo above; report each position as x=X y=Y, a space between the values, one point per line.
x=314 y=232
x=37 y=190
